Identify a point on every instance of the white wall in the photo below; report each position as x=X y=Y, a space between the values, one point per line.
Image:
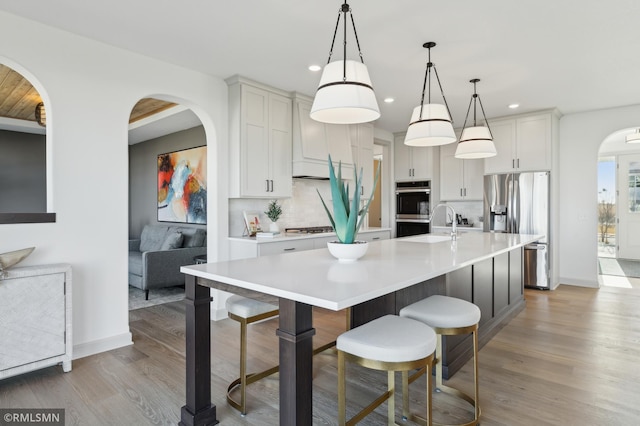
x=580 y=138
x=89 y=90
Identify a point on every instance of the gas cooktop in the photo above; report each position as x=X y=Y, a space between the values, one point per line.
x=309 y=230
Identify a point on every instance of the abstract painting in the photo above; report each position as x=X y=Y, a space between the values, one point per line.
x=182 y=186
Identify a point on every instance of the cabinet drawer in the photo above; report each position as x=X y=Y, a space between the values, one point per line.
x=281 y=247
x=374 y=236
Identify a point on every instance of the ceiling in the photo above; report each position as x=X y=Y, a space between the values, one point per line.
x=575 y=55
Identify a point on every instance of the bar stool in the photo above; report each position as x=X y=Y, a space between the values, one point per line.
x=387 y=343
x=448 y=316
x=247 y=311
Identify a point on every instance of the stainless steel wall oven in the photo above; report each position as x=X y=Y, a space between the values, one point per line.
x=412 y=208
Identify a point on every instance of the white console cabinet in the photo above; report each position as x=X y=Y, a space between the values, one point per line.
x=35 y=319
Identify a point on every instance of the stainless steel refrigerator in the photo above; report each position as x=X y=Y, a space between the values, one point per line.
x=519 y=203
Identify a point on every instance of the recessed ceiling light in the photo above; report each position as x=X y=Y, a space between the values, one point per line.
x=389 y=100
x=514 y=106
x=315 y=68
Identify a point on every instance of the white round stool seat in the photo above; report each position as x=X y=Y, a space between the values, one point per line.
x=389 y=339
x=443 y=312
x=245 y=307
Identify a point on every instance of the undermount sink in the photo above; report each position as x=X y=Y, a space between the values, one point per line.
x=427 y=238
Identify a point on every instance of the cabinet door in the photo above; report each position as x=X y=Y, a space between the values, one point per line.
x=533 y=146
x=483 y=289
x=504 y=137
x=451 y=174
x=500 y=283
x=422 y=158
x=254 y=142
x=280 y=146
x=473 y=179
x=516 y=289
x=32 y=314
x=402 y=160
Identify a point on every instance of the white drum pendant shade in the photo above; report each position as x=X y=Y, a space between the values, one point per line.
x=475 y=142
x=433 y=128
x=340 y=102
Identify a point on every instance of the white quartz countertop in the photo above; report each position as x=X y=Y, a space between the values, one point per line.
x=316 y=278
x=298 y=236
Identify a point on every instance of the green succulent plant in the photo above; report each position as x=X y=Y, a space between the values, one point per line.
x=347 y=217
x=274 y=210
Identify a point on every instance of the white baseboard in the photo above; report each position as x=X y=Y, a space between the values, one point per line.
x=97 y=346
x=218 y=314
x=579 y=283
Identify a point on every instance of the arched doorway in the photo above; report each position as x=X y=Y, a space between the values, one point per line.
x=619 y=211
x=159 y=129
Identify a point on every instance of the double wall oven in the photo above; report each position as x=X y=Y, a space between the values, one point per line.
x=412 y=208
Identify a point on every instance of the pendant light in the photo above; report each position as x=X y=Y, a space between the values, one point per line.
x=476 y=141
x=345 y=94
x=633 y=137
x=41 y=116
x=430 y=124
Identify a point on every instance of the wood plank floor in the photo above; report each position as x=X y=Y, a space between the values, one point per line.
x=570 y=358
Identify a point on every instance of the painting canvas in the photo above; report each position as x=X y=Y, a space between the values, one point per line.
x=182 y=186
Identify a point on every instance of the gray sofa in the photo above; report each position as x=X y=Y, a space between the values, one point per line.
x=155 y=259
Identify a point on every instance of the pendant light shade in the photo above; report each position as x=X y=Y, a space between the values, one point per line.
x=477 y=141
x=431 y=128
x=633 y=137
x=345 y=94
x=348 y=102
x=430 y=124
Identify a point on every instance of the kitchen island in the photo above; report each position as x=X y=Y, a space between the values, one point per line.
x=410 y=267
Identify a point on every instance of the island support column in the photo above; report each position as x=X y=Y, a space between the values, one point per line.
x=296 y=363
x=198 y=410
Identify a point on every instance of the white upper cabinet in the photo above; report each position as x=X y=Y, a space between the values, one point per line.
x=411 y=162
x=362 y=150
x=459 y=179
x=523 y=143
x=260 y=141
x=314 y=141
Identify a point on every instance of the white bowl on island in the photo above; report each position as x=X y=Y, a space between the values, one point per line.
x=347 y=252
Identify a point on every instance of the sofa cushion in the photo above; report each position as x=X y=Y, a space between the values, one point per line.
x=172 y=241
x=192 y=237
x=152 y=237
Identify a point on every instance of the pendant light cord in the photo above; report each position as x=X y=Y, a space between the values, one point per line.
x=343 y=11
x=427 y=78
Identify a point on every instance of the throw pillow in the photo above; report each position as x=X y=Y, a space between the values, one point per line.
x=196 y=239
x=173 y=241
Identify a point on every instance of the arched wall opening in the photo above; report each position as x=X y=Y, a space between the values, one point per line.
x=26 y=161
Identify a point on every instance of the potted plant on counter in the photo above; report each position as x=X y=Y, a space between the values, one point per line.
x=347 y=217
x=274 y=211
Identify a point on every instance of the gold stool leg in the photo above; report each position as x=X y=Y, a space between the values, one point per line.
x=391 y=407
x=475 y=375
x=438 y=362
x=342 y=393
x=405 y=395
x=429 y=386
x=243 y=368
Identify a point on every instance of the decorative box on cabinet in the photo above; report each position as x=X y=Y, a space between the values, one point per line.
x=314 y=141
x=523 y=143
x=260 y=127
x=459 y=179
x=411 y=162
x=35 y=319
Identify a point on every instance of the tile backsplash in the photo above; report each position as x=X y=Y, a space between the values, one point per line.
x=303 y=209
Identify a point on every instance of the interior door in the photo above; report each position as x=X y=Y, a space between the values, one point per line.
x=628 y=206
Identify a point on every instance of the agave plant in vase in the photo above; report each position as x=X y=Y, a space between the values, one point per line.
x=348 y=216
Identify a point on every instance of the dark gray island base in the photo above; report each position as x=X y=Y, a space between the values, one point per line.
x=495 y=285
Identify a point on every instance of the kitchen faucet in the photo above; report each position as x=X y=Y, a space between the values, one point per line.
x=454 y=229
